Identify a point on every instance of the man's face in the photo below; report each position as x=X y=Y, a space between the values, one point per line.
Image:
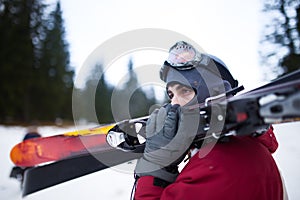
x=180 y=94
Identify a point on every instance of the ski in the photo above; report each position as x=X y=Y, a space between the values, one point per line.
x=49 y=149
x=37 y=151
x=275 y=102
x=42 y=177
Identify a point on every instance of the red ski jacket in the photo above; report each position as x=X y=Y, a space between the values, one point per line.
x=242 y=168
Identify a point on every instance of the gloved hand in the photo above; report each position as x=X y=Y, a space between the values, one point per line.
x=169 y=134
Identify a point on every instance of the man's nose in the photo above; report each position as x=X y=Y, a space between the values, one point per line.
x=175 y=100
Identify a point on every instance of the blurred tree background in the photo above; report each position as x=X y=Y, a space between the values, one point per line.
x=36 y=78
x=140 y=100
x=280 y=46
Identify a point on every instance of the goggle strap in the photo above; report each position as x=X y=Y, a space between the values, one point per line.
x=164 y=71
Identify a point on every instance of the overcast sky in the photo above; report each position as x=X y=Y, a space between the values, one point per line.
x=229 y=29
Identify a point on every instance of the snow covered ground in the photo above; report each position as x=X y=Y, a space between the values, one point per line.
x=113 y=185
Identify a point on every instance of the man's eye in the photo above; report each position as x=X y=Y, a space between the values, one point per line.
x=186 y=91
x=170 y=95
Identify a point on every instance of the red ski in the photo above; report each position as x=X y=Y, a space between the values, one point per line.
x=36 y=151
x=46 y=149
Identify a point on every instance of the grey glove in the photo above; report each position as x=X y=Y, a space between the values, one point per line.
x=169 y=134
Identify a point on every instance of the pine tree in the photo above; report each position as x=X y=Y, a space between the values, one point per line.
x=93 y=101
x=280 y=48
x=20 y=28
x=138 y=102
x=131 y=101
x=103 y=98
x=55 y=73
x=35 y=75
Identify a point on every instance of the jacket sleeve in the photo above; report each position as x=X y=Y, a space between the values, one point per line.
x=146 y=190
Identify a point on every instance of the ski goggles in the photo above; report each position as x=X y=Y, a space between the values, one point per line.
x=182 y=56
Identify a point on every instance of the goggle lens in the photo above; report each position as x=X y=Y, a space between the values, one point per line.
x=183 y=54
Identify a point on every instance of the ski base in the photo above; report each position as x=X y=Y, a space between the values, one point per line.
x=41 y=177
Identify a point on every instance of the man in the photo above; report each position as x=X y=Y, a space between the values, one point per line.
x=225 y=168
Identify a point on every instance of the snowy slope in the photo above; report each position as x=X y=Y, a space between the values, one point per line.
x=288 y=156
x=114 y=184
